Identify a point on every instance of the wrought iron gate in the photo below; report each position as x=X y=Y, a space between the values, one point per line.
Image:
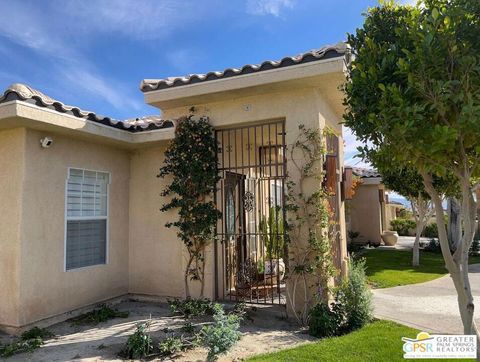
x=251 y=247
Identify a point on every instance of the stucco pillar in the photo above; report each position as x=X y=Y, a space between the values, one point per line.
x=12 y=174
x=313 y=292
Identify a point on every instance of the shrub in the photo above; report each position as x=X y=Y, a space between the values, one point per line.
x=191 y=307
x=353 y=235
x=354 y=248
x=402 y=226
x=355 y=298
x=430 y=230
x=433 y=246
x=220 y=336
x=99 y=315
x=351 y=309
x=139 y=344
x=475 y=248
x=325 y=320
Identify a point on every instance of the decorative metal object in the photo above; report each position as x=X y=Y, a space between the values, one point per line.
x=248 y=201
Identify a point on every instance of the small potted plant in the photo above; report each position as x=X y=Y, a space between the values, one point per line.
x=272 y=231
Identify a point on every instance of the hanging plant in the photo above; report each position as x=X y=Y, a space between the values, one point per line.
x=191 y=164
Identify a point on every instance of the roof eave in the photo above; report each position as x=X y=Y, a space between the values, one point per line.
x=371 y=180
x=202 y=92
x=14 y=114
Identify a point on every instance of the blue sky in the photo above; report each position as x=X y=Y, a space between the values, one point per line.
x=93 y=54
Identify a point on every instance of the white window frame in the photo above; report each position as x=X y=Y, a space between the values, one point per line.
x=76 y=218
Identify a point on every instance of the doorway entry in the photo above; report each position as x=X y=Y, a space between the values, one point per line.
x=251 y=250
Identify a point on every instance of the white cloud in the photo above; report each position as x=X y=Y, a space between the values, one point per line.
x=62 y=32
x=268 y=7
x=90 y=82
x=408 y=2
x=350 y=151
x=27 y=26
x=137 y=19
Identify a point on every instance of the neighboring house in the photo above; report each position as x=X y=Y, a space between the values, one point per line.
x=369 y=212
x=80 y=197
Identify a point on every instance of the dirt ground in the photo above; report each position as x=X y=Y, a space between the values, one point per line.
x=269 y=331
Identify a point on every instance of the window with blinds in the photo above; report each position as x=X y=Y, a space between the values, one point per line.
x=87 y=216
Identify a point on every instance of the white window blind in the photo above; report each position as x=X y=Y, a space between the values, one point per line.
x=87 y=216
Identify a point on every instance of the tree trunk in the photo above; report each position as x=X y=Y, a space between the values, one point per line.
x=454 y=222
x=422 y=211
x=186 y=275
x=416 y=250
x=457 y=264
x=202 y=275
x=416 y=244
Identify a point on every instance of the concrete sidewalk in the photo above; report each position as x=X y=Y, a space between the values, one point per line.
x=405 y=243
x=430 y=306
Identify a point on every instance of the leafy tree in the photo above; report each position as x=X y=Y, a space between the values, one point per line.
x=191 y=164
x=407 y=182
x=404 y=179
x=414 y=89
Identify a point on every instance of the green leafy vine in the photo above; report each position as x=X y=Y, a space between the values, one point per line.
x=191 y=165
x=311 y=228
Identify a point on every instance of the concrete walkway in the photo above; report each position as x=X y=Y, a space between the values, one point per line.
x=430 y=306
x=405 y=243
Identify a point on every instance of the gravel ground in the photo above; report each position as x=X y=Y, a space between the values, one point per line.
x=269 y=331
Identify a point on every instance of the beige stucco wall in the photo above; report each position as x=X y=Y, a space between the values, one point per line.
x=155 y=251
x=390 y=214
x=365 y=214
x=12 y=165
x=46 y=289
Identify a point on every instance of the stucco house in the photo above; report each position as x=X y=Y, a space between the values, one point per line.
x=370 y=211
x=80 y=199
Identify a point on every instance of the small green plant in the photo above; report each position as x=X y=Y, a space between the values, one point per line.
x=35 y=333
x=261 y=267
x=272 y=232
x=171 y=345
x=325 y=320
x=188 y=328
x=222 y=334
x=29 y=341
x=139 y=344
x=191 y=307
x=355 y=298
x=99 y=315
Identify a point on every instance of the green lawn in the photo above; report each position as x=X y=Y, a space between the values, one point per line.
x=390 y=268
x=378 y=341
